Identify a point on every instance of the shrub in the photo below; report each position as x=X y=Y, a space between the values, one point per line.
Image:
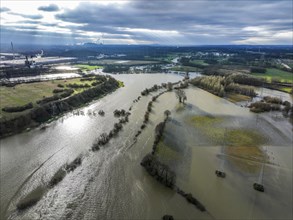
x=58 y=177
x=74 y=164
x=32 y=198
x=258 y=107
x=273 y=100
x=58 y=90
x=18 y=108
x=256 y=69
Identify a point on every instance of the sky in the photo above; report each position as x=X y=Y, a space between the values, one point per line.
x=165 y=22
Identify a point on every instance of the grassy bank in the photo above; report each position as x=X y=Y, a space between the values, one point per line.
x=275 y=74
x=56 y=105
x=85 y=67
x=22 y=94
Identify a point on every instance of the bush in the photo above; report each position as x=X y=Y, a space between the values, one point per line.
x=78 y=86
x=18 y=108
x=58 y=90
x=258 y=107
x=256 y=69
x=273 y=100
x=58 y=177
x=119 y=113
x=32 y=198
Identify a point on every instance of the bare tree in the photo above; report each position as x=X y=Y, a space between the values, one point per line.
x=180 y=94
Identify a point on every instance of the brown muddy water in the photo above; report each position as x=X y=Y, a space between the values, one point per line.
x=110 y=183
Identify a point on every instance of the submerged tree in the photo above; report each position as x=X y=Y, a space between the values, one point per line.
x=180 y=94
x=169 y=86
x=167 y=113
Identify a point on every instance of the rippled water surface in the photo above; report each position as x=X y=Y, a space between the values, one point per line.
x=110 y=183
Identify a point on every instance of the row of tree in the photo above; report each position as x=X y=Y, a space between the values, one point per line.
x=18 y=108
x=219 y=85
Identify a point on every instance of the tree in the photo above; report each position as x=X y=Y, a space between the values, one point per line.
x=167 y=113
x=180 y=94
x=169 y=86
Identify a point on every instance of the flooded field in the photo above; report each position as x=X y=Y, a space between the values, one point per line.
x=44 y=77
x=111 y=184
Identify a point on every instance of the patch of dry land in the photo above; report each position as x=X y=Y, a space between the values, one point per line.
x=25 y=93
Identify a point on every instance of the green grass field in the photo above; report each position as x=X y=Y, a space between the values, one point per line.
x=88 y=67
x=31 y=92
x=201 y=62
x=275 y=74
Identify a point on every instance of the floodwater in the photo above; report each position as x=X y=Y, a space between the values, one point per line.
x=111 y=184
x=66 y=68
x=269 y=92
x=44 y=77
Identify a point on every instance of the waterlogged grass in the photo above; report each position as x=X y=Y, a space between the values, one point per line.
x=244 y=138
x=203 y=120
x=242 y=145
x=210 y=126
x=166 y=153
x=233 y=97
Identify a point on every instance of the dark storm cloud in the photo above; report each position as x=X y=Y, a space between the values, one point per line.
x=4 y=9
x=179 y=15
x=186 y=21
x=224 y=18
x=49 y=8
x=27 y=16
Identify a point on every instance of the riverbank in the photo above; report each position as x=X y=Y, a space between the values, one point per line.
x=52 y=109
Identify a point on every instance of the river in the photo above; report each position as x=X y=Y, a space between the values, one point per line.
x=110 y=183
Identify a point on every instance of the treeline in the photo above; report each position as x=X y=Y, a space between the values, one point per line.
x=158 y=170
x=64 y=94
x=104 y=138
x=162 y=172
x=219 y=85
x=240 y=89
x=245 y=79
x=256 y=69
x=78 y=86
x=154 y=88
x=51 y=109
x=18 y=108
x=239 y=78
x=270 y=103
x=115 y=68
